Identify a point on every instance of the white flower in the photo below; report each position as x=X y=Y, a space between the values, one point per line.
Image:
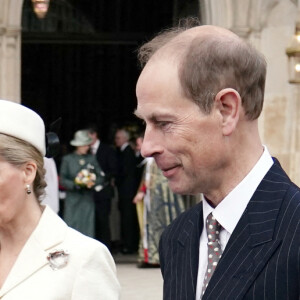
x=86 y=178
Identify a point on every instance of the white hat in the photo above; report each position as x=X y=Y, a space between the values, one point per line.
x=23 y=123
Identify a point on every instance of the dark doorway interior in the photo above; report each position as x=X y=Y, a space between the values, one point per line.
x=79 y=63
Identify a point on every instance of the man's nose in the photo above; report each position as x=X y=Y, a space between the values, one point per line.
x=151 y=143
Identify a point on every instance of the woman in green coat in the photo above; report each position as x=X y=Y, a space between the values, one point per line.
x=80 y=174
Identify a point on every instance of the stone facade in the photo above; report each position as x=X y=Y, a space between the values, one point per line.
x=10 y=45
x=268 y=24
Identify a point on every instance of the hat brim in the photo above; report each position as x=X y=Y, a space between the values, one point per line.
x=29 y=126
x=80 y=143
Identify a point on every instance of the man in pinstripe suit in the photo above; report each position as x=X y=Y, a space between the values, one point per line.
x=200 y=94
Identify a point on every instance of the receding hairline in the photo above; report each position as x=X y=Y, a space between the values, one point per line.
x=174 y=51
x=178 y=45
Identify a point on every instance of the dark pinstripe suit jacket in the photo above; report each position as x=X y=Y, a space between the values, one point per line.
x=261 y=259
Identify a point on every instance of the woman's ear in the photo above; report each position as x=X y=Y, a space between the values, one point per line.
x=29 y=169
x=229 y=104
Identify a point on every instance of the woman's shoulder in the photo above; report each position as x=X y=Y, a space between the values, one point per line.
x=82 y=242
x=69 y=156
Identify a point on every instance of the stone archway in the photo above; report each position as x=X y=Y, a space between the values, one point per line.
x=10 y=49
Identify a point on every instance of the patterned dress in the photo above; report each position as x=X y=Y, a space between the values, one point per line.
x=79 y=207
x=158 y=209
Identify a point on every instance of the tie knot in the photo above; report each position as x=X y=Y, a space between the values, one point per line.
x=213 y=228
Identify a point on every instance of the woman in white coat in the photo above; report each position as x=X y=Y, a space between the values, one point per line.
x=40 y=256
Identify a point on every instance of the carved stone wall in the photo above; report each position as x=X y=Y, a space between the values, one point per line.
x=10 y=42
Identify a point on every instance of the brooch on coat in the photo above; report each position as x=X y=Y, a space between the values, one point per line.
x=58 y=259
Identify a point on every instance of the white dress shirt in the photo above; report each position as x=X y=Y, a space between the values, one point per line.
x=95 y=147
x=230 y=210
x=122 y=148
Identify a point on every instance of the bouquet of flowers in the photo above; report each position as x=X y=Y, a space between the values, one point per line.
x=86 y=178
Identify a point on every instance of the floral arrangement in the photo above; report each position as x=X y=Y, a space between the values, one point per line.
x=86 y=178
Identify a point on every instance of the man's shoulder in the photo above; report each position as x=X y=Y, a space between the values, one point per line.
x=128 y=148
x=292 y=198
x=106 y=153
x=278 y=176
x=186 y=219
x=128 y=152
x=106 y=146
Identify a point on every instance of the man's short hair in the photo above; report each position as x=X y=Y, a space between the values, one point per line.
x=208 y=64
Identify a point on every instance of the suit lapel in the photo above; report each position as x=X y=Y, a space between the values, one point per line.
x=48 y=234
x=252 y=243
x=188 y=251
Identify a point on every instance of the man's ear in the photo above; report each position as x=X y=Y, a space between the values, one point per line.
x=229 y=103
x=29 y=170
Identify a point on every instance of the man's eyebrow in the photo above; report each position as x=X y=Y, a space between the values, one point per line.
x=154 y=116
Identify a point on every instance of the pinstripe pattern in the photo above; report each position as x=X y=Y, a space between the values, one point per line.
x=262 y=257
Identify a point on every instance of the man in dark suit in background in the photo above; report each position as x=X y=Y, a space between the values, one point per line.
x=200 y=94
x=127 y=184
x=107 y=159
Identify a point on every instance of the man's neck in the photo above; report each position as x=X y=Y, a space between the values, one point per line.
x=240 y=167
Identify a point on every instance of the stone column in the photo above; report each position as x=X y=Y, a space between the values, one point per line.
x=10 y=66
x=10 y=49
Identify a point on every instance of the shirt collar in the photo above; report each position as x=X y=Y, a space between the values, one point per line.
x=95 y=146
x=231 y=208
x=122 y=148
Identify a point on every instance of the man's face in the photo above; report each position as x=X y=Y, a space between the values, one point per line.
x=120 y=138
x=186 y=143
x=93 y=136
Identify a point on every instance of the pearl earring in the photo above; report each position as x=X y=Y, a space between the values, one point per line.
x=28 y=190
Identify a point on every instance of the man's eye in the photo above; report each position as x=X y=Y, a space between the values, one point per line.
x=163 y=124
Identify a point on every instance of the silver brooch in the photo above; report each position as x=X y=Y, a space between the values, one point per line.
x=81 y=161
x=58 y=259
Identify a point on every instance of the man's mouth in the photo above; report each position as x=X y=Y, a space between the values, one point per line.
x=169 y=172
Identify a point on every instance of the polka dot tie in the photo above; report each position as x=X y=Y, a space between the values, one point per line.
x=214 y=250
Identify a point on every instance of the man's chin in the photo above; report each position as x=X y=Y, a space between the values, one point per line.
x=177 y=187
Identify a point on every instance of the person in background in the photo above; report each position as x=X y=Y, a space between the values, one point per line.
x=157 y=207
x=51 y=196
x=40 y=256
x=107 y=159
x=140 y=160
x=126 y=182
x=200 y=94
x=80 y=175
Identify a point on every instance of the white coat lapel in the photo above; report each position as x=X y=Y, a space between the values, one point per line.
x=48 y=234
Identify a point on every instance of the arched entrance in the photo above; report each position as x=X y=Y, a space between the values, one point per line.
x=80 y=62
